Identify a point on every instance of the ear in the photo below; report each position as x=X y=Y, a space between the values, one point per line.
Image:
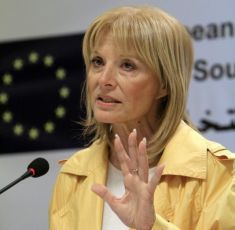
x=162 y=93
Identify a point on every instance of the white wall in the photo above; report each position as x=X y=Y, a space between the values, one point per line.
x=25 y=205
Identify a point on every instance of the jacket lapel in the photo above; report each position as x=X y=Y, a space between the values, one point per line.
x=91 y=167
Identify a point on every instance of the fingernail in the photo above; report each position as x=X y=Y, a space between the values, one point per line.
x=144 y=140
x=134 y=131
x=116 y=135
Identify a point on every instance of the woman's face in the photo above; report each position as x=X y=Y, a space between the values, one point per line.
x=122 y=88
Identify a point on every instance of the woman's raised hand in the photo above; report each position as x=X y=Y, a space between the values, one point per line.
x=135 y=208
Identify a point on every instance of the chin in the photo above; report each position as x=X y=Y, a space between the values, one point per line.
x=104 y=118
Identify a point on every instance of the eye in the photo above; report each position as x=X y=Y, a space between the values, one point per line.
x=97 y=62
x=128 y=66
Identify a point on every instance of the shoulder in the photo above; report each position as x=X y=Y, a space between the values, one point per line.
x=83 y=163
x=219 y=151
x=188 y=153
x=194 y=141
x=86 y=160
x=220 y=164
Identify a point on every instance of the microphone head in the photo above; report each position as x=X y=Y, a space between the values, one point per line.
x=38 y=167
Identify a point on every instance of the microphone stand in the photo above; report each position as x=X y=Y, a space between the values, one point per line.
x=25 y=175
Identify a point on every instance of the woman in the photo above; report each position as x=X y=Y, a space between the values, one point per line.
x=147 y=168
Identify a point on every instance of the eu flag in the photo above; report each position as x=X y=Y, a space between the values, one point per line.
x=40 y=87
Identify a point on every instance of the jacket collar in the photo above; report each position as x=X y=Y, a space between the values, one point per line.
x=184 y=155
x=88 y=160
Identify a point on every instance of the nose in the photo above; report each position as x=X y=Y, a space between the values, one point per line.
x=107 y=79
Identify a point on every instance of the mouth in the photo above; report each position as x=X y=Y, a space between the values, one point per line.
x=106 y=99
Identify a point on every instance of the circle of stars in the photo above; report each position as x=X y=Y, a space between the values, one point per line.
x=7 y=80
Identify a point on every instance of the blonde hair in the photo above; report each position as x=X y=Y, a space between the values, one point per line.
x=164 y=45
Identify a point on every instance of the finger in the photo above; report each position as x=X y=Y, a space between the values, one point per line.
x=143 y=161
x=133 y=149
x=123 y=158
x=156 y=178
x=108 y=197
x=103 y=193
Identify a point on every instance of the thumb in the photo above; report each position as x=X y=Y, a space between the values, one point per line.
x=103 y=193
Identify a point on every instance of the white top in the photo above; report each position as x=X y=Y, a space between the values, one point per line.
x=116 y=186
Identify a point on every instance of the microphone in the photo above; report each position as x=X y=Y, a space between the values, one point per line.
x=36 y=168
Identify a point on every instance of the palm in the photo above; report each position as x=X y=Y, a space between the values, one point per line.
x=131 y=208
x=135 y=208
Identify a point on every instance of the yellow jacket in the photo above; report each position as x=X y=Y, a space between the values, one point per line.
x=197 y=189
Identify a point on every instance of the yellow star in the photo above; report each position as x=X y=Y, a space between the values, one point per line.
x=18 y=129
x=60 y=112
x=4 y=98
x=33 y=57
x=7 y=116
x=49 y=127
x=60 y=73
x=18 y=63
x=64 y=92
x=7 y=79
x=48 y=60
x=33 y=133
